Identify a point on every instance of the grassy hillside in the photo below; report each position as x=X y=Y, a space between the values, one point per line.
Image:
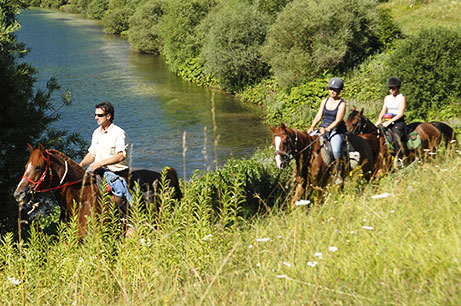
x=413 y=15
x=353 y=249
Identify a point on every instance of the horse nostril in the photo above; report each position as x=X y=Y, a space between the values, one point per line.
x=19 y=195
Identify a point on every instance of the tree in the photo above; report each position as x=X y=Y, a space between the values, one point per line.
x=310 y=37
x=429 y=65
x=232 y=46
x=178 y=30
x=143 y=33
x=25 y=112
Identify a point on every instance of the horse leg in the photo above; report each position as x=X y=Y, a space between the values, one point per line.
x=300 y=189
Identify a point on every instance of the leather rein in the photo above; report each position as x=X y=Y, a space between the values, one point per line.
x=294 y=144
x=50 y=171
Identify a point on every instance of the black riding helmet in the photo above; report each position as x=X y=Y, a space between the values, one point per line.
x=394 y=82
x=336 y=83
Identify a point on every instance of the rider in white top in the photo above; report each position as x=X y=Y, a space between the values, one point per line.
x=395 y=104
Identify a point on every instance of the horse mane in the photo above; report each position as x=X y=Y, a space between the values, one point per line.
x=71 y=162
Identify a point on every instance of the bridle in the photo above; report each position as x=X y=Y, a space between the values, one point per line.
x=49 y=171
x=292 y=147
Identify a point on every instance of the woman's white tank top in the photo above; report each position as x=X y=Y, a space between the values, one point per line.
x=393 y=104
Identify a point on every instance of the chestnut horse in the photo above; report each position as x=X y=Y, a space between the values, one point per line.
x=51 y=170
x=311 y=169
x=357 y=123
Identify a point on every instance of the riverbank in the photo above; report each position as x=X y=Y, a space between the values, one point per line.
x=192 y=38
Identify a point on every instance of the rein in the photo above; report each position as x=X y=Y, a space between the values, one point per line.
x=43 y=176
x=290 y=155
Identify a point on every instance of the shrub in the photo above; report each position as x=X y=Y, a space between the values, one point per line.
x=429 y=65
x=178 y=30
x=232 y=45
x=97 y=8
x=143 y=33
x=310 y=37
x=298 y=105
x=116 y=18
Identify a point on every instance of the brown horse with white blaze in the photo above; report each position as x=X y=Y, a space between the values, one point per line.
x=51 y=170
x=310 y=169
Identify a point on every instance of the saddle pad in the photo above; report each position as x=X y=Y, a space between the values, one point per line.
x=414 y=140
x=326 y=151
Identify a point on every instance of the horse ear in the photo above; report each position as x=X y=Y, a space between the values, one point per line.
x=31 y=148
x=41 y=147
x=282 y=125
x=272 y=129
x=353 y=108
x=361 y=112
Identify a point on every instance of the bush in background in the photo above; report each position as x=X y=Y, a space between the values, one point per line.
x=116 y=18
x=429 y=65
x=232 y=45
x=310 y=37
x=143 y=33
x=178 y=30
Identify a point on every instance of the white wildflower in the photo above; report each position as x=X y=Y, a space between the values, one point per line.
x=453 y=141
x=312 y=263
x=207 y=237
x=250 y=246
x=262 y=239
x=279 y=237
x=145 y=241
x=318 y=254
x=281 y=276
x=352 y=232
x=258 y=265
x=332 y=249
x=302 y=202
x=370 y=228
x=14 y=281
x=287 y=264
x=380 y=196
x=80 y=259
x=392 y=211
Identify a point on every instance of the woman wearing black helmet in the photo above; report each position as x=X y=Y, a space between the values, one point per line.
x=331 y=112
x=393 y=113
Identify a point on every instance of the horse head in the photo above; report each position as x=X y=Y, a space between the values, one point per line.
x=355 y=121
x=37 y=172
x=285 y=145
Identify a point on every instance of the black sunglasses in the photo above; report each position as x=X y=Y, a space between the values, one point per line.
x=100 y=115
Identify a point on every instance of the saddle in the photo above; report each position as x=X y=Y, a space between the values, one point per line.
x=352 y=155
x=413 y=142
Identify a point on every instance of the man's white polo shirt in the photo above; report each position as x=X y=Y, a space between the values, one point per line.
x=105 y=144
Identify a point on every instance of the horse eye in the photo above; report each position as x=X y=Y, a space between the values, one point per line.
x=38 y=168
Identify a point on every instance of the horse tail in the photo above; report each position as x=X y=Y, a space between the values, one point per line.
x=172 y=175
x=447 y=132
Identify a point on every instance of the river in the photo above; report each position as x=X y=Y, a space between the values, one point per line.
x=153 y=105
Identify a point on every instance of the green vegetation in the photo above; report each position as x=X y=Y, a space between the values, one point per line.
x=25 y=113
x=242 y=46
x=352 y=249
x=232 y=239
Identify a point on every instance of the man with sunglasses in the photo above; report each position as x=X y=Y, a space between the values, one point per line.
x=108 y=145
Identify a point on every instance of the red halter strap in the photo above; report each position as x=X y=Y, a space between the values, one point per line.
x=42 y=178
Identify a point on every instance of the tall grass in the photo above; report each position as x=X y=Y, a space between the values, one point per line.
x=415 y=15
x=351 y=249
